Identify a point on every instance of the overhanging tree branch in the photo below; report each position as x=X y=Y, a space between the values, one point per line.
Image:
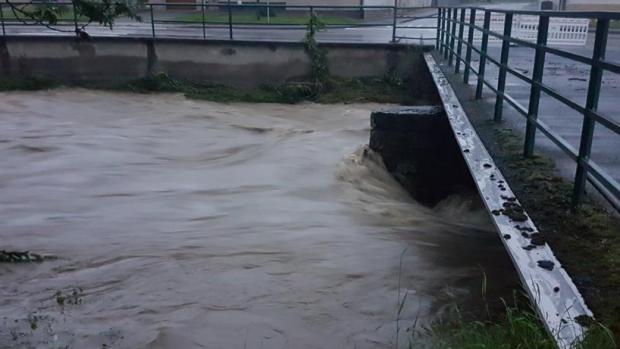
x=103 y=12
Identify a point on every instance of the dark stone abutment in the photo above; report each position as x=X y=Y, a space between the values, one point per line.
x=420 y=151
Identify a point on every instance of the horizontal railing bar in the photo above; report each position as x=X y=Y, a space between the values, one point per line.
x=508 y=69
x=296 y=25
x=582 y=59
x=556 y=138
x=605 y=179
x=246 y=5
x=569 y=55
x=424 y=27
x=405 y=8
x=610 y=124
x=516 y=105
x=562 y=14
x=610 y=66
x=555 y=94
x=614 y=201
x=463 y=60
x=198 y=22
x=414 y=38
x=418 y=17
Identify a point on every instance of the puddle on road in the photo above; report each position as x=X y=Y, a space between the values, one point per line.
x=187 y=224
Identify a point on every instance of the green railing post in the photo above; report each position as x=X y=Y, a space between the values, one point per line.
x=483 y=53
x=2 y=20
x=446 y=32
x=75 y=21
x=537 y=75
x=311 y=20
x=459 y=48
x=501 y=79
x=394 y=10
x=594 y=91
x=438 y=29
x=204 y=29
x=152 y=21
x=452 y=36
x=443 y=31
x=230 y=21
x=470 y=43
x=447 y=27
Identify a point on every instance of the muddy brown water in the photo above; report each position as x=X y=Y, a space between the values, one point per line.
x=190 y=224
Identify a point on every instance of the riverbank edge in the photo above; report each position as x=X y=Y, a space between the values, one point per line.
x=587 y=242
x=388 y=90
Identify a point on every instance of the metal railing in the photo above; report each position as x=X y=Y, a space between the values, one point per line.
x=451 y=40
x=231 y=16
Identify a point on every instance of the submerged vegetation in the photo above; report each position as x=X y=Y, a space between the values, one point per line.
x=32 y=83
x=512 y=328
x=378 y=90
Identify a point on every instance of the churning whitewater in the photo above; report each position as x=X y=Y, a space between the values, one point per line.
x=189 y=224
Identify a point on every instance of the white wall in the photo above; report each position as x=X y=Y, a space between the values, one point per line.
x=403 y=3
x=593 y=5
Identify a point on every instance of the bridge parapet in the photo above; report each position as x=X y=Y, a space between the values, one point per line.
x=552 y=292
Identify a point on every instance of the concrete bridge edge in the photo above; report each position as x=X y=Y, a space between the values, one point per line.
x=550 y=289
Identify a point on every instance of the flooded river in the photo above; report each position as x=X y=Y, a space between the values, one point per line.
x=189 y=224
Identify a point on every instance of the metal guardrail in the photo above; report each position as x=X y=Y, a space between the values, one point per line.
x=208 y=11
x=450 y=44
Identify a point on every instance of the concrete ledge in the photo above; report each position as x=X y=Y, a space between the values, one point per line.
x=207 y=42
x=551 y=290
x=235 y=63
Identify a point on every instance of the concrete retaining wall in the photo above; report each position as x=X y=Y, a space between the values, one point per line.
x=240 y=64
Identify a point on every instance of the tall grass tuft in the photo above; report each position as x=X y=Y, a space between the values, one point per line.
x=513 y=328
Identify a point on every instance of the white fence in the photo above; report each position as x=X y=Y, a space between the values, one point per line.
x=562 y=31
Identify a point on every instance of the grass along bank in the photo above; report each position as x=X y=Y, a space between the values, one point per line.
x=337 y=90
x=511 y=328
x=376 y=90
